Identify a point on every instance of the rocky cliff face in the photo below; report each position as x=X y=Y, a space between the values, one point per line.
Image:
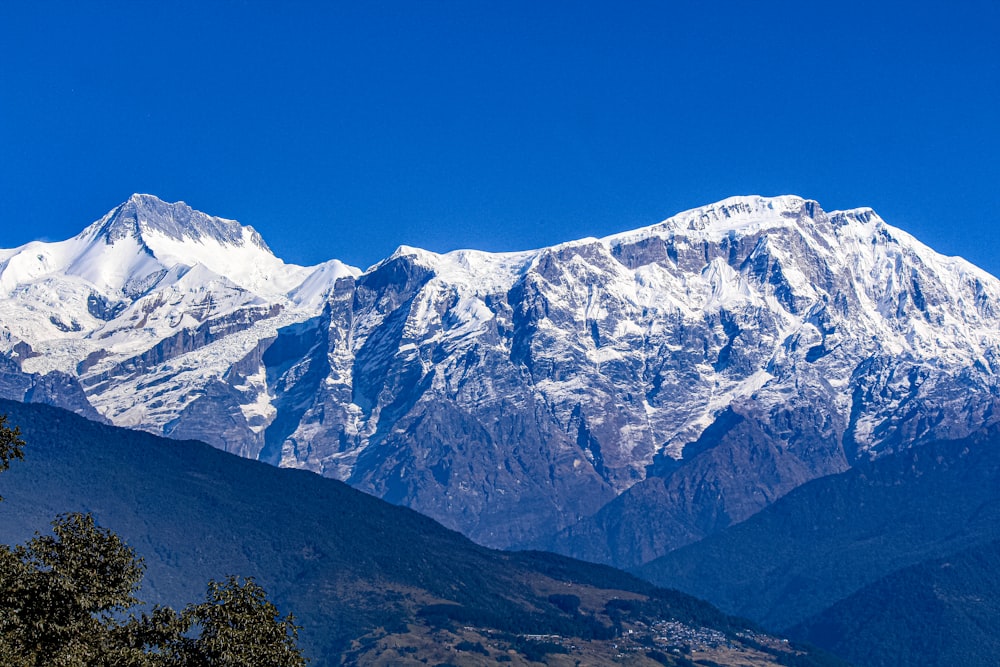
x=612 y=398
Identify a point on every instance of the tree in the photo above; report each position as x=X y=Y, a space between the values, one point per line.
x=11 y=445
x=69 y=600
x=62 y=594
x=239 y=626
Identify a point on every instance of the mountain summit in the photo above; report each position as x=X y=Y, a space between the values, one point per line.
x=611 y=398
x=176 y=237
x=142 y=215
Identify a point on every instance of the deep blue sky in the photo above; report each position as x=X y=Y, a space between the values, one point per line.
x=345 y=129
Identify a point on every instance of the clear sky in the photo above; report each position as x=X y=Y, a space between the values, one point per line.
x=346 y=129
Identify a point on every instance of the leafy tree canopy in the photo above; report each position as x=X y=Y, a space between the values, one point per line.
x=69 y=600
x=11 y=445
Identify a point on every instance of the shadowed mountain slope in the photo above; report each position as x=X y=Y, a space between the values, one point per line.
x=834 y=536
x=357 y=572
x=944 y=611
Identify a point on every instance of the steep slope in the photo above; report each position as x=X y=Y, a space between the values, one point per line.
x=834 y=536
x=943 y=611
x=635 y=392
x=367 y=580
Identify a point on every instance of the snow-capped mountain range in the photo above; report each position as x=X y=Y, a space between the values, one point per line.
x=612 y=398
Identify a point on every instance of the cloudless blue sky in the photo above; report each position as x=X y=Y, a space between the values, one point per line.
x=345 y=129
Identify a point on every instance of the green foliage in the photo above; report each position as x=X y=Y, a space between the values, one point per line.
x=569 y=604
x=61 y=595
x=67 y=600
x=11 y=445
x=239 y=626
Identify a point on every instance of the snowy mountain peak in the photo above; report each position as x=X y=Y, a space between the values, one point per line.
x=735 y=212
x=143 y=214
x=735 y=215
x=862 y=216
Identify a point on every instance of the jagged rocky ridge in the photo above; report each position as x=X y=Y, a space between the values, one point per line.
x=611 y=398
